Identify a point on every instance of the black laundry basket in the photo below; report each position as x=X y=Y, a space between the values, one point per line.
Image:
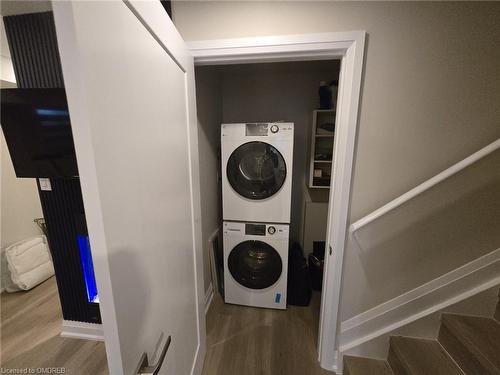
x=316 y=264
x=299 y=282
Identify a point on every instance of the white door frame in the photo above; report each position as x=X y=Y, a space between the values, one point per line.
x=349 y=48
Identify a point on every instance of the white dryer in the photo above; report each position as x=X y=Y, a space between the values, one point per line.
x=257 y=171
x=255 y=264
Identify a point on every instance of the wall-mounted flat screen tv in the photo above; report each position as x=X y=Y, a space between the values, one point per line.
x=37 y=128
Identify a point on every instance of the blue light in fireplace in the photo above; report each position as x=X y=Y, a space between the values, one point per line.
x=87 y=268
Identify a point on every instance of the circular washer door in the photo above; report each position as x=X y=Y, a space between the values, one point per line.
x=255 y=264
x=256 y=170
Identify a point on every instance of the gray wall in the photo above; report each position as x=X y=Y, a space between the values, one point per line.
x=431 y=79
x=449 y=225
x=209 y=107
x=258 y=93
x=429 y=97
x=281 y=91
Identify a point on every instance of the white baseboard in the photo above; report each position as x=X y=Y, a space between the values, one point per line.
x=213 y=265
x=199 y=359
x=82 y=330
x=209 y=296
x=457 y=285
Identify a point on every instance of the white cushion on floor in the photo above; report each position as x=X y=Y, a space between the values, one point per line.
x=29 y=262
x=6 y=281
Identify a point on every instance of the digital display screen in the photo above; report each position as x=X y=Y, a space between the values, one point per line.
x=256 y=129
x=255 y=229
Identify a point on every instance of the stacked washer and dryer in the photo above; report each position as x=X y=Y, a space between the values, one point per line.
x=256 y=203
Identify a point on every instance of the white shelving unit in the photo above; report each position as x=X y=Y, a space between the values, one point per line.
x=323 y=134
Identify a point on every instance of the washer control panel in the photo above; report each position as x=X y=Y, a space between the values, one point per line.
x=256 y=229
x=282 y=130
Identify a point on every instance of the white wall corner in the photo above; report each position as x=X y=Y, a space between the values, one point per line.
x=82 y=330
x=209 y=293
x=338 y=366
x=7 y=70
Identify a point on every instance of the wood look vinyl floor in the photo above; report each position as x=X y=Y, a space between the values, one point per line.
x=30 y=327
x=240 y=340
x=251 y=341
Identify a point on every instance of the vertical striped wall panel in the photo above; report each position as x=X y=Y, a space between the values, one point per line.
x=33 y=46
x=63 y=209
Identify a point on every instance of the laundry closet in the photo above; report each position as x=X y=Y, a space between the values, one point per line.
x=265 y=187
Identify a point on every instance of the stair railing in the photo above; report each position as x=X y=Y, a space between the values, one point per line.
x=426 y=185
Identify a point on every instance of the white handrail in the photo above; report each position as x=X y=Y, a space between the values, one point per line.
x=425 y=186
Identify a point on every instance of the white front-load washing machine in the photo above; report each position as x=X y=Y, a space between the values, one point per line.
x=255 y=264
x=257 y=163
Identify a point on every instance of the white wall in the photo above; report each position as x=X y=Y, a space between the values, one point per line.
x=7 y=77
x=429 y=97
x=7 y=72
x=19 y=202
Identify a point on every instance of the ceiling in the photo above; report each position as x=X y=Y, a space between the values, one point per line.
x=10 y=7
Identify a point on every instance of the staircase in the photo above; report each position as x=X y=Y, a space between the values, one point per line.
x=466 y=345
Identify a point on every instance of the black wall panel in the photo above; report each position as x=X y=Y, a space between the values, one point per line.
x=62 y=210
x=33 y=46
x=167 y=5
